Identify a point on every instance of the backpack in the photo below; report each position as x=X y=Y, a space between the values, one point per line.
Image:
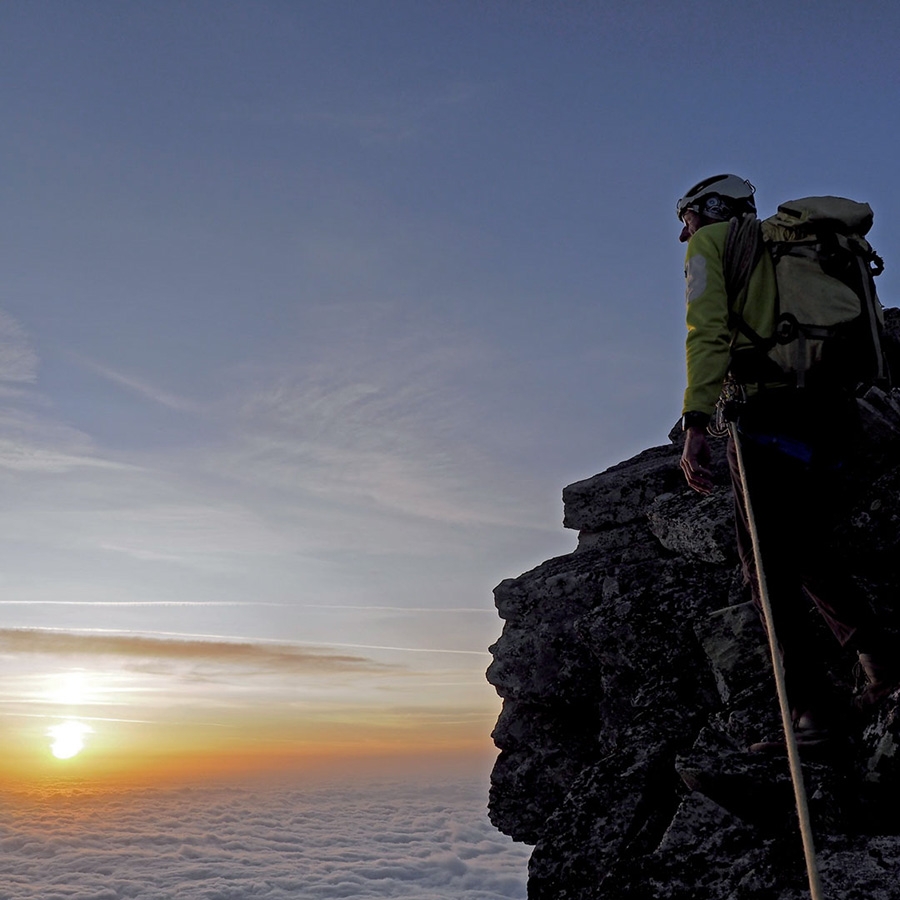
x=828 y=319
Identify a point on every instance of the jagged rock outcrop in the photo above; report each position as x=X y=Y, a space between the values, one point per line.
x=634 y=673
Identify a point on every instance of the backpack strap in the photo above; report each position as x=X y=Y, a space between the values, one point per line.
x=744 y=248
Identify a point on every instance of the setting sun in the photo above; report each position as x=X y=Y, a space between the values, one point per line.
x=68 y=738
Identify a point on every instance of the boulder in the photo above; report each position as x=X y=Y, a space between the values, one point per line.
x=634 y=673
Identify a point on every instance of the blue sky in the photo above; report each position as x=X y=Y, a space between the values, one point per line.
x=309 y=310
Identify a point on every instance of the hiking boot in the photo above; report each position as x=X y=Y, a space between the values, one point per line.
x=882 y=680
x=815 y=739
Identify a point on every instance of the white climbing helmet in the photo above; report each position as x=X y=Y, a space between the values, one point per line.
x=735 y=193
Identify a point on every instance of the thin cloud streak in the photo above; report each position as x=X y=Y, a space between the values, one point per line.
x=82 y=718
x=400 y=649
x=136 y=386
x=443 y=610
x=403 y=609
x=26 y=457
x=18 y=360
x=200 y=641
x=377 y=422
x=34 y=440
x=129 y=603
x=274 y=656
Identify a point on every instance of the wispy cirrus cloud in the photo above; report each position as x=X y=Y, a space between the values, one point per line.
x=135 y=385
x=33 y=440
x=25 y=456
x=391 y=423
x=18 y=358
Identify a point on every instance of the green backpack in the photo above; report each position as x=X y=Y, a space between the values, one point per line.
x=828 y=319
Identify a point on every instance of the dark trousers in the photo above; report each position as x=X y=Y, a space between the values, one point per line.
x=797 y=503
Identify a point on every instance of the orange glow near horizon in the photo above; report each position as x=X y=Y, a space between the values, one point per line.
x=240 y=744
x=116 y=758
x=194 y=714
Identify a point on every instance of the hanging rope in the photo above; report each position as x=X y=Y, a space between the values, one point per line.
x=809 y=850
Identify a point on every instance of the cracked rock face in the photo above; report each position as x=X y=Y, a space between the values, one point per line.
x=634 y=673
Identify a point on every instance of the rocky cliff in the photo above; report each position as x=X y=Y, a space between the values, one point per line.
x=634 y=673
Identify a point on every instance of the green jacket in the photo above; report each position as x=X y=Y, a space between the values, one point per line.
x=710 y=341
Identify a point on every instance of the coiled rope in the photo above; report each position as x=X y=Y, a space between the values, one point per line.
x=809 y=850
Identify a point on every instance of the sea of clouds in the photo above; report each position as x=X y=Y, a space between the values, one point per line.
x=380 y=839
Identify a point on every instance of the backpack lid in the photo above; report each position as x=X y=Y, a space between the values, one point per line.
x=834 y=213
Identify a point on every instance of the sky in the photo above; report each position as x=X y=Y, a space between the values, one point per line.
x=308 y=312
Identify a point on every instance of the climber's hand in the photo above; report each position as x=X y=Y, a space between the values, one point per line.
x=695 y=460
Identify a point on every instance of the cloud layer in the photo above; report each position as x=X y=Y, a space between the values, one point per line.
x=260 y=657
x=361 y=841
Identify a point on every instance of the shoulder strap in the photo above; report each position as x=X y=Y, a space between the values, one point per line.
x=744 y=248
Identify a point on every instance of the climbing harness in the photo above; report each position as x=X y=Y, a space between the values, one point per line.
x=809 y=850
x=731 y=399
